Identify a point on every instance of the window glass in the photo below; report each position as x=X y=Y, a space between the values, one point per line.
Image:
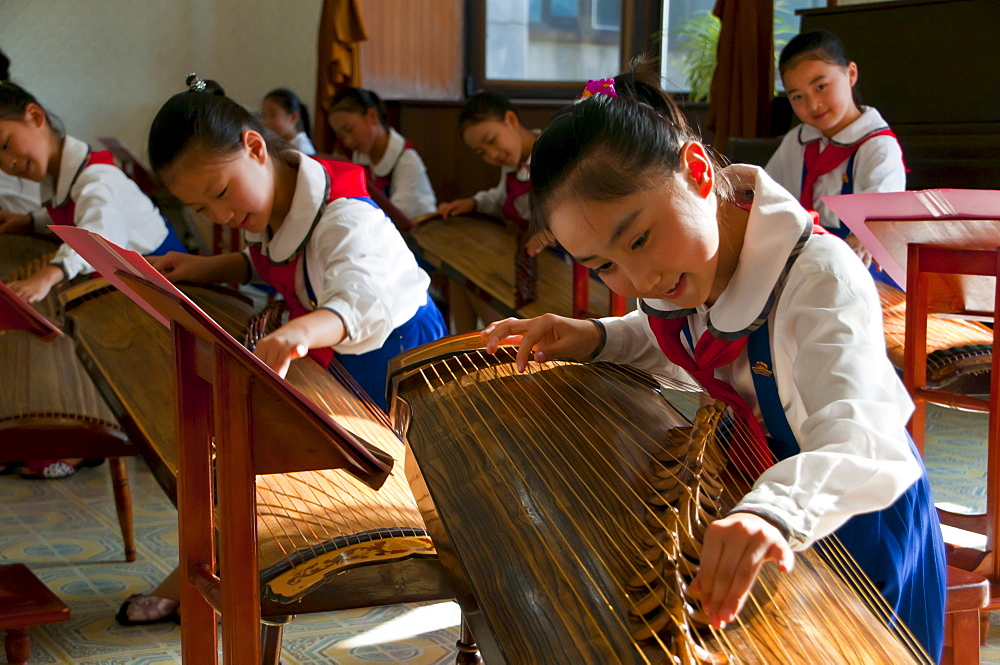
x=552 y=40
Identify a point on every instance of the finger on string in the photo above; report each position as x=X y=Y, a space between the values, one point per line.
x=745 y=574
x=724 y=582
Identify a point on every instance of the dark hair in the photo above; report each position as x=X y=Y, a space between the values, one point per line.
x=4 y=67
x=484 y=106
x=289 y=101
x=206 y=118
x=14 y=101
x=816 y=45
x=604 y=147
x=359 y=100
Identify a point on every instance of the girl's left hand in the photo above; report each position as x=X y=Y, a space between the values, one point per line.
x=735 y=548
x=37 y=286
x=281 y=347
x=538 y=242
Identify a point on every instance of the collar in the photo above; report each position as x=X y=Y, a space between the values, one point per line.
x=308 y=202
x=868 y=123
x=777 y=230
x=393 y=151
x=74 y=155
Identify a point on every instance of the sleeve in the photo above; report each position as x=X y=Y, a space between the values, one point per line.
x=855 y=456
x=879 y=166
x=411 y=188
x=490 y=201
x=97 y=195
x=630 y=340
x=367 y=274
x=780 y=166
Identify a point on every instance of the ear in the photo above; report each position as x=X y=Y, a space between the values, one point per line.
x=696 y=168
x=510 y=118
x=371 y=115
x=255 y=146
x=852 y=73
x=294 y=115
x=34 y=115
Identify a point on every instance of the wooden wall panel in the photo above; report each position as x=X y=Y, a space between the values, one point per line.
x=414 y=48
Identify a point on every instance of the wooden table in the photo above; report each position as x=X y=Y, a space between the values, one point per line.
x=479 y=255
x=25 y=602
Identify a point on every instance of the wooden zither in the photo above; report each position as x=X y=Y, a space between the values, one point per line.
x=571 y=501
x=49 y=407
x=325 y=540
x=959 y=352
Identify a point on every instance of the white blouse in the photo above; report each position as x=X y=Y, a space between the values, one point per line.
x=358 y=264
x=878 y=163
x=841 y=396
x=410 y=187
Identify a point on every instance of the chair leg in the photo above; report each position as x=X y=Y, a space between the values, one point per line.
x=272 y=630
x=468 y=652
x=17 y=646
x=123 y=504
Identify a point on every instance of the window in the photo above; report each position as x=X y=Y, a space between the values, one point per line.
x=548 y=48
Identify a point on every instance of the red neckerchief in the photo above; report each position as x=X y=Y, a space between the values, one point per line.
x=754 y=456
x=820 y=163
x=65 y=214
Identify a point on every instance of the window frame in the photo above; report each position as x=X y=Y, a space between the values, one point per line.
x=641 y=23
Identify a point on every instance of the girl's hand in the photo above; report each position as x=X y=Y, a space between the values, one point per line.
x=545 y=337
x=859 y=249
x=456 y=207
x=281 y=347
x=37 y=286
x=735 y=548
x=180 y=267
x=14 y=223
x=538 y=242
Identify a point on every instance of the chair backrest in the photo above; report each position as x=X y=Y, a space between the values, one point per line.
x=751 y=151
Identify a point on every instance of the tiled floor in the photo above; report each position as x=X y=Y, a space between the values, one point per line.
x=67 y=532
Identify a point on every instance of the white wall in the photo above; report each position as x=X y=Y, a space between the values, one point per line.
x=106 y=66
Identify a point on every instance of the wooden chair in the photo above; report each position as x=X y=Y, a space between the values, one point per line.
x=25 y=602
x=968 y=594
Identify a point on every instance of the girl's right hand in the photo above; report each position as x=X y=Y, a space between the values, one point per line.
x=179 y=267
x=456 y=207
x=546 y=337
x=14 y=223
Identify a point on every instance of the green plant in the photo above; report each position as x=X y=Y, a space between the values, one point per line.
x=699 y=44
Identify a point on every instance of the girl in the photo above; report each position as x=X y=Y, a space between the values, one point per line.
x=349 y=280
x=841 y=147
x=284 y=114
x=728 y=267
x=16 y=195
x=358 y=118
x=493 y=129
x=82 y=188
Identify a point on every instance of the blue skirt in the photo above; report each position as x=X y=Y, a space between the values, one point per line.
x=902 y=551
x=170 y=244
x=371 y=369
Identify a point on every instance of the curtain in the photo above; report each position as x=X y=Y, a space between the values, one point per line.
x=742 y=87
x=341 y=31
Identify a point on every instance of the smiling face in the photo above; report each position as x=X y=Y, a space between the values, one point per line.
x=274 y=116
x=357 y=131
x=821 y=96
x=25 y=144
x=235 y=190
x=497 y=142
x=659 y=243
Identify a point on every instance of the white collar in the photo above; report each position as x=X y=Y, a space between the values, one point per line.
x=308 y=202
x=776 y=231
x=869 y=122
x=74 y=154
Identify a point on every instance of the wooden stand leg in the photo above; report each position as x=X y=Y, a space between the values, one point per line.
x=17 y=644
x=123 y=504
x=271 y=631
x=468 y=652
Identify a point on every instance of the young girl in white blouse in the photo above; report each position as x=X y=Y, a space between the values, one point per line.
x=283 y=113
x=358 y=118
x=351 y=284
x=79 y=187
x=842 y=146
x=731 y=274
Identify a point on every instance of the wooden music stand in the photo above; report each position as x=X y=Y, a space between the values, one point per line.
x=944 y=245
